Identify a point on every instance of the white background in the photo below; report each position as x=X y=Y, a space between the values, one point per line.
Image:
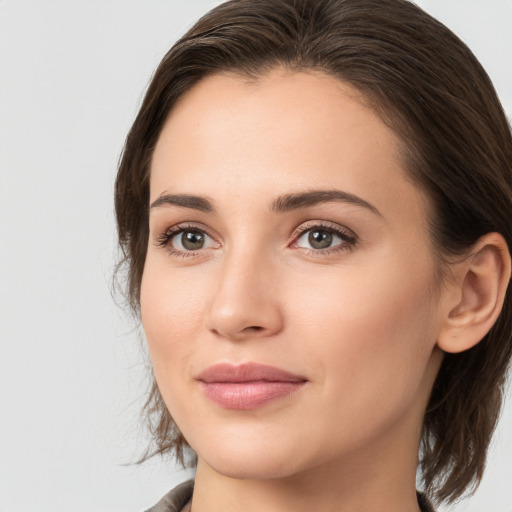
x=72 y=369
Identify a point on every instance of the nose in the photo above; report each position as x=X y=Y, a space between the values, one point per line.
x=245 y=304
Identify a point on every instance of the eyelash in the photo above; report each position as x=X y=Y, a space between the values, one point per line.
x=166 y=237
x=348 y=237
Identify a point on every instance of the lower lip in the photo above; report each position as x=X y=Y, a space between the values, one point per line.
x=248 y=395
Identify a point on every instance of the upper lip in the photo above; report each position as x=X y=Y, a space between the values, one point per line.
x=247 y=372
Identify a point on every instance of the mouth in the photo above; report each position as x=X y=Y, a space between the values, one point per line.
x=247 y=386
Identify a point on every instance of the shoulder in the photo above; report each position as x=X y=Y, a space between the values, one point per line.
x=176 y=499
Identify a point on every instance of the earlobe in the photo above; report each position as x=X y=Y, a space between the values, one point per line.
x=481 y=282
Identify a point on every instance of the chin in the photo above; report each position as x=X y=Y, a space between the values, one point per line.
x=254 y=470
x=251 y=461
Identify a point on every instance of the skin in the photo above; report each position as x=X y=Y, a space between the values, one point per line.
x=359 y=320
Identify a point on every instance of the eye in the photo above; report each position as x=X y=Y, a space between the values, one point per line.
x=190 y=240
x=320 y=238
x=185 y=241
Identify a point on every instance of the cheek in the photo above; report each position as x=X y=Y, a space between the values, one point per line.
x=172 y=310
x=370 y=333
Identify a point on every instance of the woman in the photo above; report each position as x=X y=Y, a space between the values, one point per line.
x=314 y=204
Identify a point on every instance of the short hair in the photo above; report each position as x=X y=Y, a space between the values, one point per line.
x=456 y=145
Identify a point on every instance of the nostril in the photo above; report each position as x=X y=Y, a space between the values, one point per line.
x=246 y=330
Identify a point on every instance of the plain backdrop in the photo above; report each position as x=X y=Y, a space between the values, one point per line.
x=72 y=365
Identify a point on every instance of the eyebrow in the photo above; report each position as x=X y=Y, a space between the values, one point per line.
x=285 y=203
x=311 y=198
x=186 y=201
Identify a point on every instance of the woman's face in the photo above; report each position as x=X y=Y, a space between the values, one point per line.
x=284 y=233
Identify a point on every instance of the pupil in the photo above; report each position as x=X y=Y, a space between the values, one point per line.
x=320 y=239
x=192 y=240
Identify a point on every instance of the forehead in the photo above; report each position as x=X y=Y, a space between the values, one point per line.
x=284 y=132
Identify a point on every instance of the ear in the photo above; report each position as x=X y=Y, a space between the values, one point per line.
x=476 y=294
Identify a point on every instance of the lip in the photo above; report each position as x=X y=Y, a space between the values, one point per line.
x=247 y=386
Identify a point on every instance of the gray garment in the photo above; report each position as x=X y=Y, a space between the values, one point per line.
x=175 y=500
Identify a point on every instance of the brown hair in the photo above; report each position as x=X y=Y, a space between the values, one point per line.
x=431 y=90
